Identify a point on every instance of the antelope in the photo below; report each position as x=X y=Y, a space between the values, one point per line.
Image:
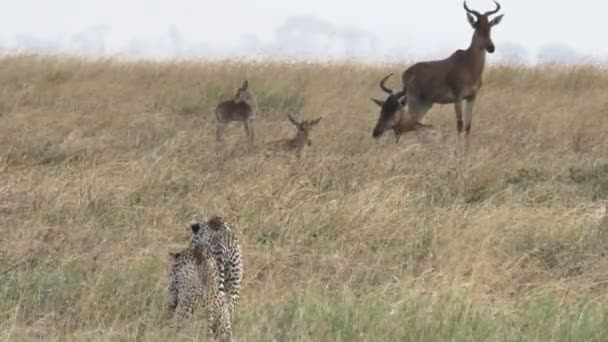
x=242 y=107
x=302 y=137
x=454 y=80
x=393 y=116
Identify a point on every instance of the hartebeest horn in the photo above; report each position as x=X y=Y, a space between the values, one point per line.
x=475 y=13
x=387 y=90
x=494 y=11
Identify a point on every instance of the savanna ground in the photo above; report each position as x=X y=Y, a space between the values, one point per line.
x=104 y=163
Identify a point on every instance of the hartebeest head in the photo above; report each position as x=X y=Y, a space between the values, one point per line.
x=390 y=109
x=483 y=27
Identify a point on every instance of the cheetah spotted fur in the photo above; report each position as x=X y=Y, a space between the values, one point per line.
x=217 y=236
x=194 y=279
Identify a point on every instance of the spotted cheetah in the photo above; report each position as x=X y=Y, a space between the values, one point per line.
x=194 y=278
x=217 y=236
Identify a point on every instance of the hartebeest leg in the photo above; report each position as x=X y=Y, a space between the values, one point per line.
x=220 y=131
x=246 y=126
x=458 y=110
x=468 y=115
x=249 y=130
x=418 y=109
x=468 y=120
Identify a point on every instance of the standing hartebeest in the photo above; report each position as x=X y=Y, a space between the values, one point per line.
x=456 y=79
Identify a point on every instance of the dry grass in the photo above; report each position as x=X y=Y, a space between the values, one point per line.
x=103 y=164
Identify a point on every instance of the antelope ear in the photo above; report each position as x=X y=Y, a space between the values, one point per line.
x=245 y=85
x=496 y=20
x=403 y=101
x=378 y=102
x=316 y=121
x=472 y=19
x=293 y=121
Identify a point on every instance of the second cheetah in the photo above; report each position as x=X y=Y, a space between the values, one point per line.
x=194 y=278
x=217 y=236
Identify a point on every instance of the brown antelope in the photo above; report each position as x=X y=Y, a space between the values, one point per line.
x=242 y=107
x=456 y=79
x=393 y=116
x=302 y=137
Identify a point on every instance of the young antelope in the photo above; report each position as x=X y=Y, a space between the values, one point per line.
x=301 y=139
x=242 y=107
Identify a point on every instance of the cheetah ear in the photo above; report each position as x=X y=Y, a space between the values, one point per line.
x=174 y=255
x=195 y=227
x=215 y=223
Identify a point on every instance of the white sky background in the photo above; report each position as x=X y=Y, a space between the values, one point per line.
x=386 y=30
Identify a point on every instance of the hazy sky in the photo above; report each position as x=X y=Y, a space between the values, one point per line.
x=311 y=28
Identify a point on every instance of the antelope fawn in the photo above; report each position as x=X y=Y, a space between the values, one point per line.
x=242 y=107
x=393 y=117
x=301 y=139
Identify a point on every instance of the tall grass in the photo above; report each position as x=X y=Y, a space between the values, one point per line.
x=104 y=163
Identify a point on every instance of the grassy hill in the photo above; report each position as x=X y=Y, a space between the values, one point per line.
x=104 y=163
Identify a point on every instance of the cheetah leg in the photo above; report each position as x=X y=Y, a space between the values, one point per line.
x=184 y=310
x=233 y=284
x=172 y=302
x=219 y=321
x=234 y=296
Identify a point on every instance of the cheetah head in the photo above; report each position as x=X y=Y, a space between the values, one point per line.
x=200 y=234
x=202 y=231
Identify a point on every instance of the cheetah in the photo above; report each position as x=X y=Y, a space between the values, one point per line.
x=217 y=236
x=194 y=278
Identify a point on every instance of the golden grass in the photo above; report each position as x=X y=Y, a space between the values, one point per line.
x=104 y=163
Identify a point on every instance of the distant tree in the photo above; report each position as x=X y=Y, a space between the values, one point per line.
x=91 y=41
x=310 y=37
x=176 y=40
x=513 y=53
x=559 y=53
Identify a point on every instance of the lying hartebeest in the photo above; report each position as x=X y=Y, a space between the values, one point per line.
x=456 y=79
x=242 y=108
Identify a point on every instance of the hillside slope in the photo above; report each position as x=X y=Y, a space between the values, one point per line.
x=104 y=163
